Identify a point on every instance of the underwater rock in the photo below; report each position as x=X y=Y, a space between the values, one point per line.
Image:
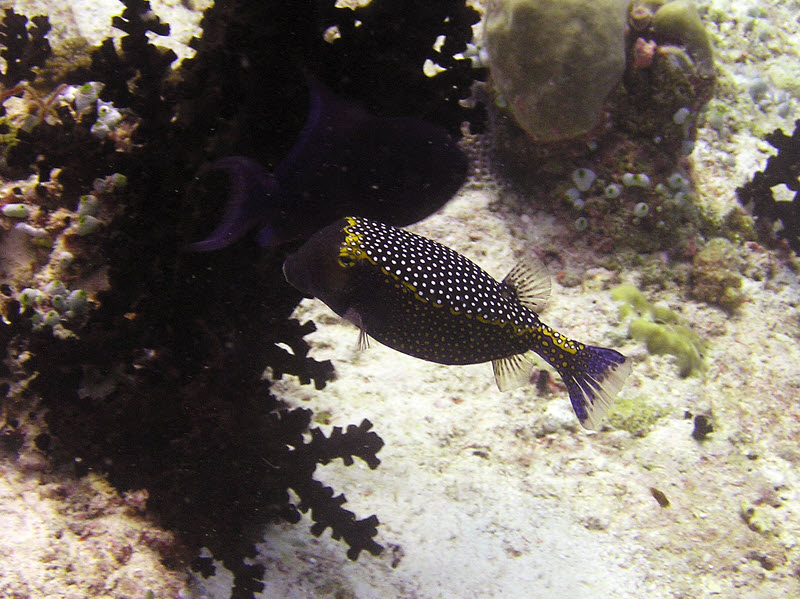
x=670 y=73
x=636 y=134
x=715 y=275
x=399 y=169
x=573 y=71
x=555 y=61
x=703 y=426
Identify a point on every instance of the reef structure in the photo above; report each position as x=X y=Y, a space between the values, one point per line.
x=782 y=169
x=554 y=62
x=621 y=86
x=152 y=377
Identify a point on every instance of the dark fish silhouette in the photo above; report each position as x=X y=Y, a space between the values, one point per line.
x=345 y=160
x=423 y=299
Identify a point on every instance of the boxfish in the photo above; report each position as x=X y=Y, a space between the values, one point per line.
x=424 y=299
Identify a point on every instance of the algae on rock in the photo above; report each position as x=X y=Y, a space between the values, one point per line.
x=635 y=415
x=679 y=20
x=715 y=275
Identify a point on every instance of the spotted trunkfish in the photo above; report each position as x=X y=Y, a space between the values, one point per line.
x=424 y=299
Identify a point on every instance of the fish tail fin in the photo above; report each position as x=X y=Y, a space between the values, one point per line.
x=253 y=195
x=593 y=377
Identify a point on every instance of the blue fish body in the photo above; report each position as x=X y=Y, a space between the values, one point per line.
x=344 y=160
x=426 y=300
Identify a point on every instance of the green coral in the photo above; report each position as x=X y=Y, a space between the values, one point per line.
x=715 y=277
x=660 y=330
x=680 y=20
x=671 y=339
x=556 y=61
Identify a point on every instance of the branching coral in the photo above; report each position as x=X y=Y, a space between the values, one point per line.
x=782 y=169
x=326 y=510
x=134 y=77
x=162 y=388
x=24 y=46
x=381 y=50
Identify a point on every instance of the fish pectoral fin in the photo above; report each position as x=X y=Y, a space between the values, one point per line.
x=512 y=372
x=352 y=316
x=363 y=339
x=530 y=282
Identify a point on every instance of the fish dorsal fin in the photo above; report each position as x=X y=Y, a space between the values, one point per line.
x=530 y=282
x=512 y=372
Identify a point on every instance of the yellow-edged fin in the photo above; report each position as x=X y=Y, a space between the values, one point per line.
x=512 y=372
x=530 y=282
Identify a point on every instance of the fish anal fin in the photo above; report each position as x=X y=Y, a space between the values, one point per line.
x=512 y=372
x=530 y=283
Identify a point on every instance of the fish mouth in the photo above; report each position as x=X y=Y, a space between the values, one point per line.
x=283 y=269
x=286 y=268
x=293 y=272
